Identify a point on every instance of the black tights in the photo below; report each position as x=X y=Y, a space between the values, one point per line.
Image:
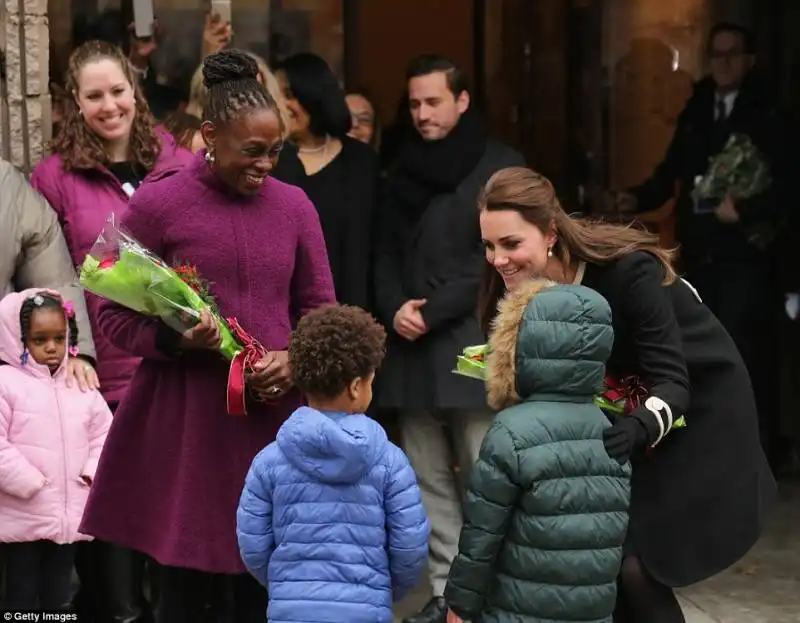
x=189 y=596
x=641 y=599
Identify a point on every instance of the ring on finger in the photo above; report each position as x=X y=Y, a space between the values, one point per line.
x=274 y=390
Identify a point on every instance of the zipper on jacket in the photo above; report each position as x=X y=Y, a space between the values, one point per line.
x=65 y=521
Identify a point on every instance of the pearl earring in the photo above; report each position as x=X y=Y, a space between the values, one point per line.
x=210 y=157
x=550 y=252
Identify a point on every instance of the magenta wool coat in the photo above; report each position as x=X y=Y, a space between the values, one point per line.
x=174 y=464
x=84 y=200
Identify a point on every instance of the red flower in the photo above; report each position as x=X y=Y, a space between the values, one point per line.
x=107 y=263
x=189 y=274
x=628 y=388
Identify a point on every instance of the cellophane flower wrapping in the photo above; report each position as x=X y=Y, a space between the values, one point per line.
x=739 y=170
x=120 y=269
x=472 y=362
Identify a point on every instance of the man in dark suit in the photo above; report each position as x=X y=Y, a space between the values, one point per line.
x=428 y=263
x=726 y=249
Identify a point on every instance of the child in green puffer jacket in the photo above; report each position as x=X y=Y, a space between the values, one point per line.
x=547 y=509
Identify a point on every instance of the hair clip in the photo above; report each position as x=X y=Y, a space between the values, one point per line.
x=69 y=309
x=38 y=300
x=73 y=351
x=23 y=358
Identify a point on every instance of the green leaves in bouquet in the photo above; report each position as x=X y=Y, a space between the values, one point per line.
x=472 y=362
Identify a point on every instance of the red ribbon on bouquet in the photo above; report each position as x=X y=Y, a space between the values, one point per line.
x=628 y=388
x=249 y=356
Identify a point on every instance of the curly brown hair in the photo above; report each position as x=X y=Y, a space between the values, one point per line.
x=333 y=346
x=78 y=146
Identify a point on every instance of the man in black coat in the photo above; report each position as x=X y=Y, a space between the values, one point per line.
x=727 y=250
x=428 y=264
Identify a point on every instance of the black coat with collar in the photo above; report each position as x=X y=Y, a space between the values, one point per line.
x=440 y=258
x=703 y=237
x=699 y=497
x=345 y=195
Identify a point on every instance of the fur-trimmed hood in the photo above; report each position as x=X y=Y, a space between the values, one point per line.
x=548 y=339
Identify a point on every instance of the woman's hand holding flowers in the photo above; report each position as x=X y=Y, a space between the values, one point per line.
x=204 y=335
x=271 y=377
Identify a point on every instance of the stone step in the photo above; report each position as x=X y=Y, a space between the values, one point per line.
x=694 y=614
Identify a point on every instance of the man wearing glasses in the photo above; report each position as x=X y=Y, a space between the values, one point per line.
x=727 y=247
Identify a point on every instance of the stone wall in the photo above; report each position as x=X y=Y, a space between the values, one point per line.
x=25 y=114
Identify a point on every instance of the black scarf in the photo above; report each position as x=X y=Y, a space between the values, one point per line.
x=424 y=169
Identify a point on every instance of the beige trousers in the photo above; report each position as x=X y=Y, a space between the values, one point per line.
x=433 y=457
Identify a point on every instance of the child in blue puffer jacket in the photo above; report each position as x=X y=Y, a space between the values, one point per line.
x=331 y=518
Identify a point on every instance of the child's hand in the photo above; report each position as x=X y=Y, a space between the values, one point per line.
x=452 y=617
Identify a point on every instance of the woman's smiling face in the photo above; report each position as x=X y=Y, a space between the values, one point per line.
x=516 y=248
x=106 y=100
x=245 y=149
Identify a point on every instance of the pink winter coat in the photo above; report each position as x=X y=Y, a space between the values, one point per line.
x=50 y=436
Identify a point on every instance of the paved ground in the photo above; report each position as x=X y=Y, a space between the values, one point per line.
x=763 y=588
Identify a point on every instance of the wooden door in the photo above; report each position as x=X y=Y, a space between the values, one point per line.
x=383 y=35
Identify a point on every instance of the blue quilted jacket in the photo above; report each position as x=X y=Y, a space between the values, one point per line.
x=331 y=521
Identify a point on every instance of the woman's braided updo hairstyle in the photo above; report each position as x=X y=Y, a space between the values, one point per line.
x=45 y=300
x=78 y=146
x=231 y=77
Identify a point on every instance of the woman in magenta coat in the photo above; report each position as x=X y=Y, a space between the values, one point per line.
x=174 y=464
x=107 y=144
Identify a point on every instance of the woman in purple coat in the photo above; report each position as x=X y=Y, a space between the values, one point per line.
x=174 y=463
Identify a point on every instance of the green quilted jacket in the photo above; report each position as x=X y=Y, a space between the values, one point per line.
x=547 y=509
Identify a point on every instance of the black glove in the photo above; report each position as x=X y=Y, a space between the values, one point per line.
x=625 y=438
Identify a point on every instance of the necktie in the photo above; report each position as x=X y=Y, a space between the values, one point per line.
x=720 y=123
x=722 y=112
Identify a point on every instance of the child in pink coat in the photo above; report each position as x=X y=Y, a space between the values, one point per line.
x=51 y=437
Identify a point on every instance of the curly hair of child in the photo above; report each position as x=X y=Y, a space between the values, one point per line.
x=333 y=346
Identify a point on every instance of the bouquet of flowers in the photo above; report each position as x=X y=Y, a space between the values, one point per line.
x=739 y=170
x=120 y=269
x=472 y=362
x=619 y=396
x=622 y=396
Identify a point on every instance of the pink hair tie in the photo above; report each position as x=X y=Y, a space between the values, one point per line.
x=69 y=309
x=74 y=351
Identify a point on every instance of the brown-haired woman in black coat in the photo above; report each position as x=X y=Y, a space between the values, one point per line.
x=699 y=493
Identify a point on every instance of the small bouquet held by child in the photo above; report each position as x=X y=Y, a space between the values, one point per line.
x=620 y=396
x=120 y=269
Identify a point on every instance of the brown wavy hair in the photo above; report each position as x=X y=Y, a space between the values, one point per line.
x=78 y=146
x=533 y=197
